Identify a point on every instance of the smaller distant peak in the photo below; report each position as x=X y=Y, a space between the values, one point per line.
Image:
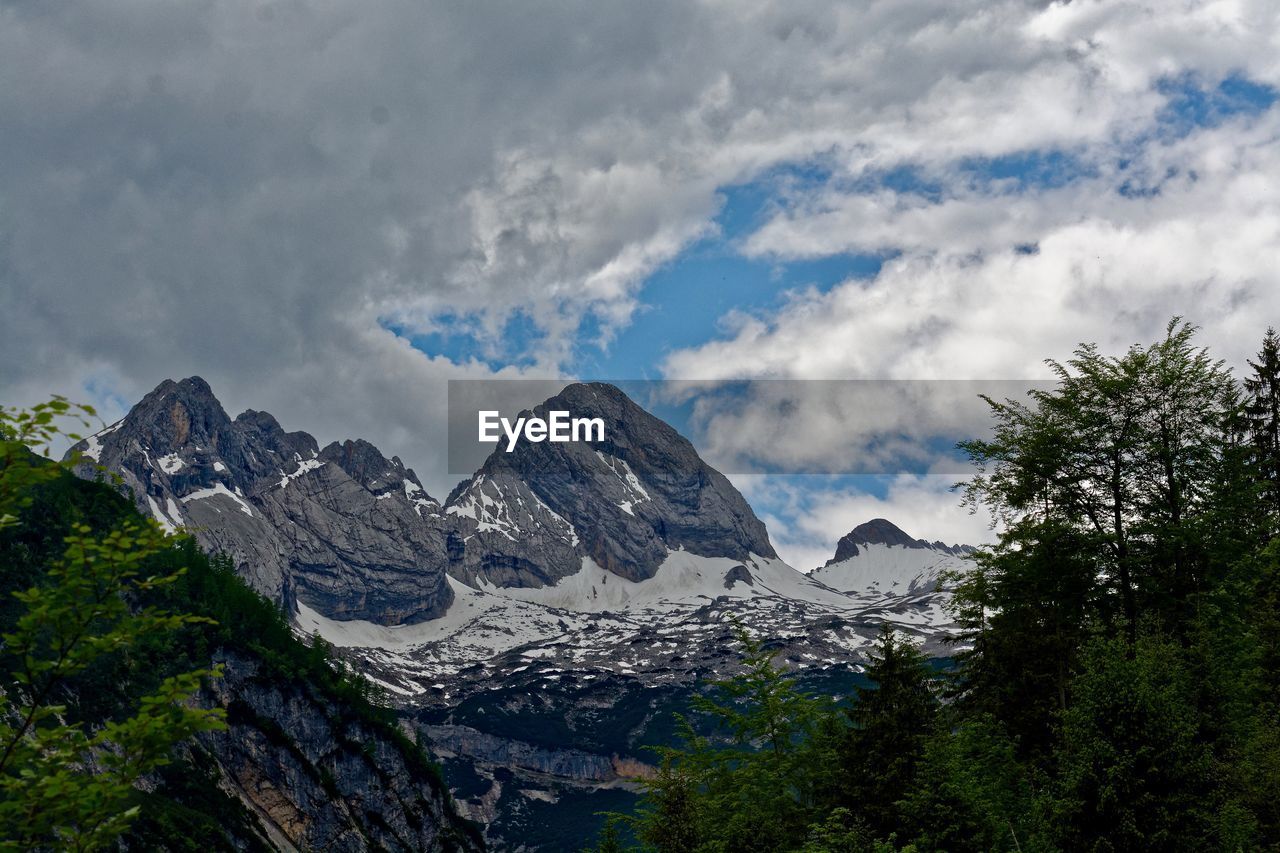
x=881 y=531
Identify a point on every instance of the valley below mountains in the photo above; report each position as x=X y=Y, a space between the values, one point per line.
x=540 y=624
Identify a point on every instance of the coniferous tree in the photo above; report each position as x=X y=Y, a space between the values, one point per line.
x=1257 y=775
x=972 y=791
x=1134 y=772
x=892 y=722
x=755 y=792
x=608 y=840
x=1262 y=414
x=1026 y=607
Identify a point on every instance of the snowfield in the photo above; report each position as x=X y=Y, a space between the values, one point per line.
x=667 y=628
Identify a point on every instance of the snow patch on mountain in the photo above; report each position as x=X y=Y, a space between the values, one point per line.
x=478 y=626
x=303 y=467
x=889 y=570
x=166 y=523
x=220 y=490
x=171 y=463
x=93 y=444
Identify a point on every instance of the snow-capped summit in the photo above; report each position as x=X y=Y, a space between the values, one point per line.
x=881 y=531
x=877 y=559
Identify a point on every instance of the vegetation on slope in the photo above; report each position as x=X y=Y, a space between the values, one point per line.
x=1120 y=684
x=153 y=612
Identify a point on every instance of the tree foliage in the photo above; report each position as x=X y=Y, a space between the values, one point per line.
x=63 y=784
x=752 y=786
x=1262 y=416
x=1117 y=683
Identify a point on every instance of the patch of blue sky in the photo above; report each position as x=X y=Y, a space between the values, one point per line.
x=686 y=301
x=460 y=338
x=683 y=303
x=1025 y=171
x=109 y=403
x=749 y=205
x=1192 y=103
x=904 y=179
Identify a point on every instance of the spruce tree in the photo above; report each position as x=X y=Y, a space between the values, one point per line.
x=1026 y=608
x=892 y=721
x=1262 y=415
x=751 y=788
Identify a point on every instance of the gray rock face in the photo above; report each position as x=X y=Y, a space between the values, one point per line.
x=577 y=764
x=738 y=574
x=529 y=516
x=343 y=530
x=318 y=782
x=880 y=531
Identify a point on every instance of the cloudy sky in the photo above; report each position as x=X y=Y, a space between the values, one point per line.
x=329 y=208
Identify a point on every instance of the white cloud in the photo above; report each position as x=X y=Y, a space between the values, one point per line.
x=839 y=427
x=964 y=302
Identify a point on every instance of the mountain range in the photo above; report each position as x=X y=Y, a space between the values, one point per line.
x=543 y=619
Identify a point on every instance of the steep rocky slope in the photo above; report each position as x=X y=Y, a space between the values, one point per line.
x=626 y=502
x=317 y=781
x=307 y=761
x=342 y=528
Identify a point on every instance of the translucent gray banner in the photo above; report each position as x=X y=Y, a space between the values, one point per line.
x=764 y=426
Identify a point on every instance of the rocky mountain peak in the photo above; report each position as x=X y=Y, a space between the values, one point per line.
x=358 y=538
x=365 y=464
x=352 y=534
x=881 y=531
x=178 y=413
x=625 y=502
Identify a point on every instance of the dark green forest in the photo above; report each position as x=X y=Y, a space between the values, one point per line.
x=1116 y=685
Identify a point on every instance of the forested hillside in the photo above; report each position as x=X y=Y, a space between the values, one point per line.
x=1119 y=683
x=287 y=750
